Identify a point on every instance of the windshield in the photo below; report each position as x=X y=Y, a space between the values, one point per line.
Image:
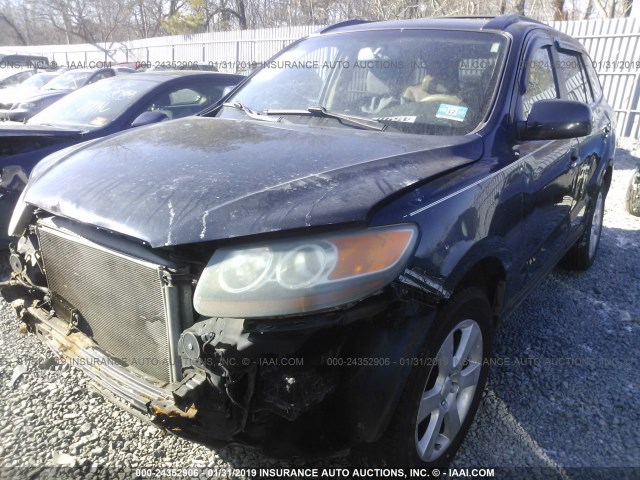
x=94 y=105
x=432 y=82
x=9 y=71
x=68 y=81
x=38 y=80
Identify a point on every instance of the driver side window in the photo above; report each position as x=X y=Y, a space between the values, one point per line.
x=101 y=76
x=540 y=83
x=185 y=99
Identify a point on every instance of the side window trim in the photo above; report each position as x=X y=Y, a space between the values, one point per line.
x=555 y=61
x=584 y=58
x=535 y=44
x=561 y=47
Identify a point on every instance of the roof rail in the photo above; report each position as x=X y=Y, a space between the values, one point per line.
x=503 y=21
x=346 y=23
x=468 y=17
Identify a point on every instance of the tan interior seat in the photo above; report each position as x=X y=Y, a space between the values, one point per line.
x=430 y=90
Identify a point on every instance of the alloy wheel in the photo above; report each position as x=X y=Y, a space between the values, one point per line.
x=449 y=390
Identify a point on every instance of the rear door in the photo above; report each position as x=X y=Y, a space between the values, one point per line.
x=548 y=172
x=575 y=85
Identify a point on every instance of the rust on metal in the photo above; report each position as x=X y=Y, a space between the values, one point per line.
x=168 y=409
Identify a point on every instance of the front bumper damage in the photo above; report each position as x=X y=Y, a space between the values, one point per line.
x=312 y=384
x=236 y=390
x=107 y=373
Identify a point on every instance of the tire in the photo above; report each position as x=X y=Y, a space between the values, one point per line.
x=434 y=388
x=632 y=199
x=583 y=253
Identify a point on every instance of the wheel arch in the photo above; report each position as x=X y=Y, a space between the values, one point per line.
x=489 y=275
x=486 y=265
x=608 y=176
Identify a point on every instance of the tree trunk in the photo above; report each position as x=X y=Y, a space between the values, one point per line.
x=242 y=14
x=588 y=11
x=558 y=10
x=625 y=8
x=14 y=28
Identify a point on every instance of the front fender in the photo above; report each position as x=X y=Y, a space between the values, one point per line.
x=372 y=392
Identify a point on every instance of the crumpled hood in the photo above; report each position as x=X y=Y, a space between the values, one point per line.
x=202 y=179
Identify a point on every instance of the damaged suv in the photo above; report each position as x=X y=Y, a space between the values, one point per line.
x=321 y=261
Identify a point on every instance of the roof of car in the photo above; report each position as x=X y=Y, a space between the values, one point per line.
x=47 y=73
x=162 y=75
x=501 y=22
x=87 y=70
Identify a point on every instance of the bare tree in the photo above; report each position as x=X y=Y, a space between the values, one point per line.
x=559 y=12
x=100 y=21
x=12 y=26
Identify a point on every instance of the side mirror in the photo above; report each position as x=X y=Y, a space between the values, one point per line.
x=556 y=119
x=147 y=118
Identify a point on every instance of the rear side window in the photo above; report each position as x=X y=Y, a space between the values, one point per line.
x=540 y=84
x=596 y=88
x=572 y=73
x=102 y=75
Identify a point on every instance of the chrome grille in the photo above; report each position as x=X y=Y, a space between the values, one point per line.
x=120 y=299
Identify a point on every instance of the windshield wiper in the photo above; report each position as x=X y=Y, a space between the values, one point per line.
x=275 y=115
x=250 y=113
x=320 y=111
x=367 y=123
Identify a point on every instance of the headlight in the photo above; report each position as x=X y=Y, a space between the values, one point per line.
x=21 y=215
x=302 y=275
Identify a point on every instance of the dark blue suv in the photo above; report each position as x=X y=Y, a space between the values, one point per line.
x=321 y=261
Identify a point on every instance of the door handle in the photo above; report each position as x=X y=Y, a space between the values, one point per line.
x=606 y=131
x=574 y=157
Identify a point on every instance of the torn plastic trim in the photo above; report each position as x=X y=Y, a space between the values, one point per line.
x=432 y=287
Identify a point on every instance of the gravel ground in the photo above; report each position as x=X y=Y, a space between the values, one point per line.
x=563 y=392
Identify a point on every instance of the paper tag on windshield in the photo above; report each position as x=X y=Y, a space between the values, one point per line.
x=451 y=112
x=405 y=119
